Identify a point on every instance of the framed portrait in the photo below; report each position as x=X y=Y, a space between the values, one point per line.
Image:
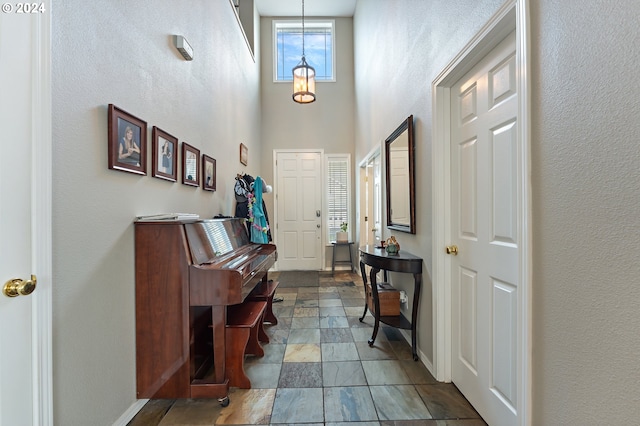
x=127 y=136
x=208 y=173
x=164 y=153
x=244 y=154
x=190 y=164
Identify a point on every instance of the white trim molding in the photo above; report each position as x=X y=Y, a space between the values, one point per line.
x=41 y=220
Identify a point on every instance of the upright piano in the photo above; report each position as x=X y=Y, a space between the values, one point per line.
x=187 y=274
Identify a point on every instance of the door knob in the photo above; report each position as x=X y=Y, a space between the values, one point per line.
x=18 y=287
x=452 y=250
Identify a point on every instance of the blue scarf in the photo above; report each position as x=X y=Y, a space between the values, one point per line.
x=259 y=219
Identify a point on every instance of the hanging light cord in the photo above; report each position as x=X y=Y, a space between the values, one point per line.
x=303 y=28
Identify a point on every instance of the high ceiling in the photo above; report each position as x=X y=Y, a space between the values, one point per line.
x=311 y=7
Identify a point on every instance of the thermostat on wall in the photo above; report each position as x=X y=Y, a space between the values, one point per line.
x=184 y=47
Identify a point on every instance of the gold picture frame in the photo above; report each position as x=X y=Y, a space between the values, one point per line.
x=244 y=154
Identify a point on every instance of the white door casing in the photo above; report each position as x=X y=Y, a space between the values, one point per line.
x=25 y=216
x=376 y=191
x=299 y=219
x=498 y=350
x=370 y=196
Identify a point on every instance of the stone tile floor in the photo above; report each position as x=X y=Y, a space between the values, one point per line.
x=319 y=370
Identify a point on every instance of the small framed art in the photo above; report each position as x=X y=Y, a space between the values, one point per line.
x=127 y=142
x=208 y=173
x=244 y=154
x=190 y=164
x=163 y=152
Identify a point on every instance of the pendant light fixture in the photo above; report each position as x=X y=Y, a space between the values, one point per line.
x=304 y=76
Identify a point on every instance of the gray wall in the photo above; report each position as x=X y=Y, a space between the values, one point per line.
x=586 y=226
x=585 y=179
x=121 y=52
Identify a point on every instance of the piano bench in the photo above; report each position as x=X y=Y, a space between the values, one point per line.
x=243 y=330
x=265 y=291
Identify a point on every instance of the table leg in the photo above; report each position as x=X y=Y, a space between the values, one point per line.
x=376 y=304
x=363 y=272
x=333 y=260
x=414 y=313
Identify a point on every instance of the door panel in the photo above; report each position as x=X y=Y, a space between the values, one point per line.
x=484 y=200
x=298 y=202
x=504 y=341
x=504 y=140
x=468 y=192
x=467 y=319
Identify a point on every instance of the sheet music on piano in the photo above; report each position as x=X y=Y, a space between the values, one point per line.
x=211 y=240
x=168 y=216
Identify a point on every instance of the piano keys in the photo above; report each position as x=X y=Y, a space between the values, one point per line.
x=187 y=274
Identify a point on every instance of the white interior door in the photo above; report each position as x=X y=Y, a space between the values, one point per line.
x=25 y=165
x=376 y=172
x=370 y=231
x=484 y=226
x=299 y=223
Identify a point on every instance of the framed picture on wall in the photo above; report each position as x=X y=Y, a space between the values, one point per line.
x=127 y=142
x=164 y=153
x=244 y=154
x=190 y=165
x=208 y=173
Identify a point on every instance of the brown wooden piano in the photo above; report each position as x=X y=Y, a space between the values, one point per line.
x=190 y=277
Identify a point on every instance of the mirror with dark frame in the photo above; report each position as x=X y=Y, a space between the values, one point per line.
x=400 y=186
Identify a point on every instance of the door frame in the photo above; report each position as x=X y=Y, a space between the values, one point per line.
x=363 y=186
x=41 y=219
x=513 y=15
x=274 y=232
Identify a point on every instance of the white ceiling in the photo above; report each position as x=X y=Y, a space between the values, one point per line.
x=311 y=7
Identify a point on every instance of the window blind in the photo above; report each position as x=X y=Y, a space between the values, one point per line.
x=337 y=196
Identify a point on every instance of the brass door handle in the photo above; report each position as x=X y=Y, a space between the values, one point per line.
x=452 y=250
x=18 y=287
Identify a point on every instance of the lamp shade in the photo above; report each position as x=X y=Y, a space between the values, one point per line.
x=304 y=83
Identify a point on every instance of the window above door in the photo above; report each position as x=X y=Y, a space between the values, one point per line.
x=319 y=48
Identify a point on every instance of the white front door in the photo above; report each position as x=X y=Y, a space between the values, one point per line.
x=25 y=164
x=484 y=226
x=299 y=221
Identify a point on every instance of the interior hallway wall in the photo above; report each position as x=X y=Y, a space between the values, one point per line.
x=586 y=200
x=122 y=52
x=585 y=166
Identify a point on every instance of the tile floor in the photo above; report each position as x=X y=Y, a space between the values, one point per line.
x=319 y=370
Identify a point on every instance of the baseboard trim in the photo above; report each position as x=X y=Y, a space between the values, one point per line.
x=423 y=357
x=128 y=415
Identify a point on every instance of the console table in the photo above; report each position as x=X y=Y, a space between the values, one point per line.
x=403 y=261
